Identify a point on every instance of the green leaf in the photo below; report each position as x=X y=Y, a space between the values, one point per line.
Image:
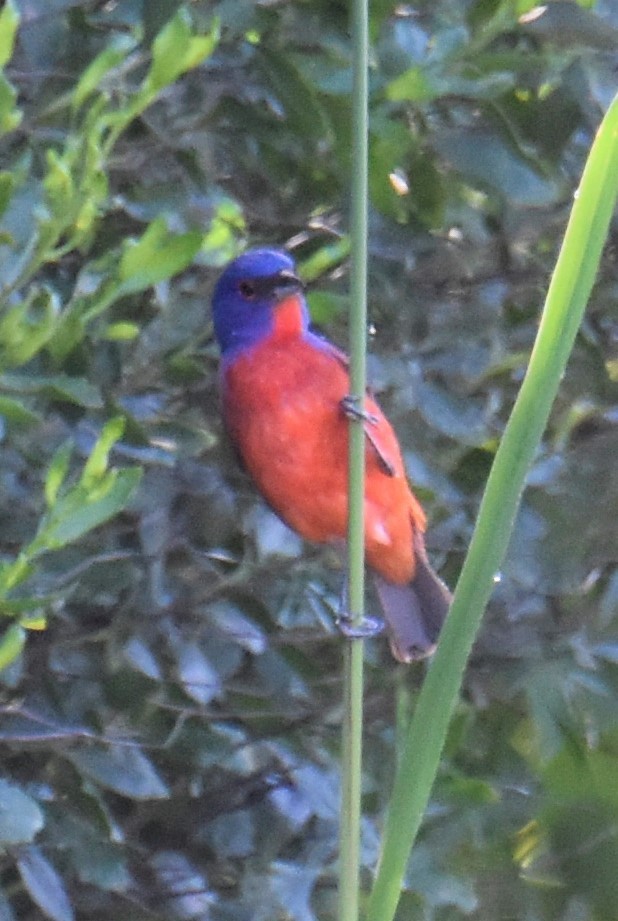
x=578 y=773
x=567 y=25
x=437 y=886
x=220 y=242
x=44 y=885
x=308 y=119
x=325 y=259
x=199 y=678
x=80 y=511
x=11 y=645
x=15 y=413
x=112 y=55
x=57 y=472
x=96 y=464
x=489 y=160
x=10 y=117
x=156 y=256
x=325 y=306
x=7 y=186
x=102 y=864
x=121 y=332
x=122 y=768
x=390 y=149
x=14 y=572
x=9 y=20
x=61 y=387
x=20 y=816
x=413 y=85
x=59 y=183
x=26 y=328
x=176 y=50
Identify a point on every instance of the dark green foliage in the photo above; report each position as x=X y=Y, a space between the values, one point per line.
x=170 y=739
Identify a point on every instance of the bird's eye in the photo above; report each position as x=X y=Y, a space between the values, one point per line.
x=247 y=290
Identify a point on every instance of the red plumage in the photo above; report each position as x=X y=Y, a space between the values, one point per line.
x=282 y=405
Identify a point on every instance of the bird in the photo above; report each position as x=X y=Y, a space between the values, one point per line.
x=285 y=405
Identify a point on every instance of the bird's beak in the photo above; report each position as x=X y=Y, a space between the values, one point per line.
x=277 y=286
x=287 y=282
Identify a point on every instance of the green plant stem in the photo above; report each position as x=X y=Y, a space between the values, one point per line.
x=568 y=293
x=349 y=851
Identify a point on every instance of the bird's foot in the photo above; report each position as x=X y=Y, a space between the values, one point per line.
x=359 y=630
x=351 y=407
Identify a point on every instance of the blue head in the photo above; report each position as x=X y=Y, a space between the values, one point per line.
x=247 y=295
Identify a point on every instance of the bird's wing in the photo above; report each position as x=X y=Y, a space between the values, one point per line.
x=386 y=465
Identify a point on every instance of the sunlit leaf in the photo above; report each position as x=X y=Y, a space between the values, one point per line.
x=16 y=413
x=9 y=21
x=59 y=182
x=121 y=332
x=79 y=511
x=156 y=256
x=415 y=85
x=96 y=465
x=175 y=50
x=111 y=56
x=57 y=471
x=10 y=116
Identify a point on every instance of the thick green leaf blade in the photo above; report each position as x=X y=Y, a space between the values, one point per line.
x=566 y=300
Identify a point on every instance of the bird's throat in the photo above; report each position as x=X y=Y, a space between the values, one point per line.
x=289 y=318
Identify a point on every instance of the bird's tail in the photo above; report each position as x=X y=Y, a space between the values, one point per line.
x=414 y=613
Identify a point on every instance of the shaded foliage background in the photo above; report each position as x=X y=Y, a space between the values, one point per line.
x=170 y=740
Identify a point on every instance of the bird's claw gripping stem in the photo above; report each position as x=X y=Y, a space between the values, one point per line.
x=351 y=408
x=364 y=629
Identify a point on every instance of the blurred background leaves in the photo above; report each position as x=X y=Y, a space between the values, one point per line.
x=171 y=682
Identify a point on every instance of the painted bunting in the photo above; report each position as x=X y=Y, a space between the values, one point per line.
x=284 y=392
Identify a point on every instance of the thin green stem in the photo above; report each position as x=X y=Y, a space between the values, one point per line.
x=564 y=307
x=349 y=854
x=358 y=314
